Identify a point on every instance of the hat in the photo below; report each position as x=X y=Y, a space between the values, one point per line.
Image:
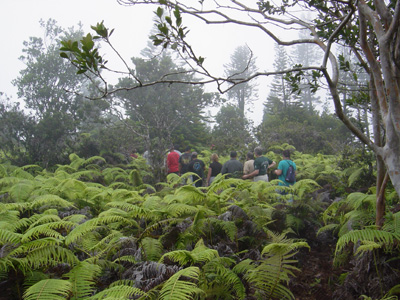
x=194 y=154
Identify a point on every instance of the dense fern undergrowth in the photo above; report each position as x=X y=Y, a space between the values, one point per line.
x=88 y=230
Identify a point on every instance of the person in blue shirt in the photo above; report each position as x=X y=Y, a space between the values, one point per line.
x=283 y=167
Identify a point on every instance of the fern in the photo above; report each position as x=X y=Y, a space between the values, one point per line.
x=83 y=277
x=176 y=289
x=49 y=289
x=118 y=292
x=152 y=248
x=200 y=254
x=370 y=235
x=219 y=270
x=50 y=200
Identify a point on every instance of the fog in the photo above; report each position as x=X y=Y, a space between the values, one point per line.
x=132 y=26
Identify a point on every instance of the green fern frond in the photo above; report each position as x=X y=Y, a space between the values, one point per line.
x=49 y=289
x=226 y=276
x=361 y=201
x=190 y=194
x=33 y=245
x=91 y=225
x=50 y=256
x=328 y=227
x=244 y=266
x=47 y=229
x=392 y=224
x=182 y=257
x=34 y=277
x=371 y=235
x=94 y=159
x=176 y=289
x=21 y=191
x=180 y=209
x=367 y=246
x=269 y=276
x=71 y=189
x=355 y=175
x=228 y=227
x=126 y=258
x=152 y=248
x=21 y=173
x=86 y=174
x=118 y=292
x=83 y=278
x=45 y=218
x=305 y=186
x=7 y=236
x=50 y=201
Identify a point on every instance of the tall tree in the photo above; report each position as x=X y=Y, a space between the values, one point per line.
x=160 y=114
x=242 y=64
x=229 y=133
x=279 y=97
x=306 y=55
x=53 y=93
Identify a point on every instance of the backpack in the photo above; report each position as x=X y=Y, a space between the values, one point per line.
x=290 y=174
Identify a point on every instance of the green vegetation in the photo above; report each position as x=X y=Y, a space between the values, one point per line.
x=90 y=230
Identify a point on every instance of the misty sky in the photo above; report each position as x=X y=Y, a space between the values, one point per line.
x=20 y=20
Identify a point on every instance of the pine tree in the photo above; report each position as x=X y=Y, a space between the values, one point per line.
x=242 y=64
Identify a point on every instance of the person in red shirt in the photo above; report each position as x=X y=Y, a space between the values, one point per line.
x=173 y=161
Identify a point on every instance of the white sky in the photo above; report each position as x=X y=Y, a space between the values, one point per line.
x=20 y=20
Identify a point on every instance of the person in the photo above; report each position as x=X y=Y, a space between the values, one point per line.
x=133 y=154
x=197 y=166
x=173 y=161
x=184 y=161
x=233 y=167
x=283 y=167
x=249 y=164
x=261 y=166
x=214 y=168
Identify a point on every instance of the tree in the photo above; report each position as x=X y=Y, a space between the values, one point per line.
x=53 y=95
x=279 y=97
x=306 y=55
x=242 y=64
x=370 y=29
x=229 y=133
x=161 y=114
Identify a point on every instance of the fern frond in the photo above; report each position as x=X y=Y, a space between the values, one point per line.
x=177 y=289
x=94 y=159
x=91 y=225
x=228 y=227
x=118 y=292
x=71 y=189
x=328 y=227
x=127 y=258
x=47 y=229
x=7 y=236
x=179 y=209
x=83 y=277
x=21 y=173
x=190 y=194
x=21 y=191
x=267 y=278
x=371 y=235
x=226 y=276
x=152 y=248
x=367 y=246
x=49 y=289
x=50 y=256
x=50 y=200
x=244 y=266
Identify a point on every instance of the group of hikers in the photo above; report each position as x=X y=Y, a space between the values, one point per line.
x=255 y=168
